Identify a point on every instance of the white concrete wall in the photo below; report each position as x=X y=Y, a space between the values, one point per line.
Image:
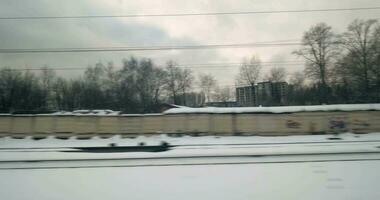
x=221 y=124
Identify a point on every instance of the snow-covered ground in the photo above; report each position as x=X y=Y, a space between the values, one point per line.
x=289 y=167
x=285 y=181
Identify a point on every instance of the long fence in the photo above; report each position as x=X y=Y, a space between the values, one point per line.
x=266 y=124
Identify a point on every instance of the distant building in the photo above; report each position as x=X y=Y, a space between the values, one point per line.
x=280 y=93
x=264 y=94
x=246 y=96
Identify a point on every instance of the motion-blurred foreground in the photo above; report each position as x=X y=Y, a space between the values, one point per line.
x=107 y=155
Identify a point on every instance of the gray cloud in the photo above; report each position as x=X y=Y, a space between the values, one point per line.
x=163 y=31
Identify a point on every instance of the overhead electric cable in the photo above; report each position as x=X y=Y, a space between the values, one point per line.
x=147 y=48
x=203 y=66
x=187 y=14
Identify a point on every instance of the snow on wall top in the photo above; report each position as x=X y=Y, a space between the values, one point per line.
x=184 y=110
x=282 y=109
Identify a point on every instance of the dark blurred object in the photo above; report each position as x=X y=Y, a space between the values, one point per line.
x=33 y=112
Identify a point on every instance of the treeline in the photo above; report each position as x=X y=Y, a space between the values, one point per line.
x=139 y=86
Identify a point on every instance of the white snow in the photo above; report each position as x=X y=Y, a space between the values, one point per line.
x=203 y=168
x=287 y=181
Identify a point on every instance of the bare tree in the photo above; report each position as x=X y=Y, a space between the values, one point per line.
x=319 y=49
x=172 y=80
x=178 y=82
x=145 y=83
x=207 y=84
x=47 y=79
x=277 y=74
x=110 y=85
x=360 y=63
x=186 y=82
x=249 y=72
x=62 y=93
x=92 y=93
x=158 y=83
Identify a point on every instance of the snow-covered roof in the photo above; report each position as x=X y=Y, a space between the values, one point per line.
x=280 y=109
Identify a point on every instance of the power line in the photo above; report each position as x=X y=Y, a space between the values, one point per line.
x=239 y=63
x=148 y=48
x=235 y=65
x=196 y=66
x=278 y=43
x=190 y=65
x=189 y=14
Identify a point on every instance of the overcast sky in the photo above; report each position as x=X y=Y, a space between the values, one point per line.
x=191 y=30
